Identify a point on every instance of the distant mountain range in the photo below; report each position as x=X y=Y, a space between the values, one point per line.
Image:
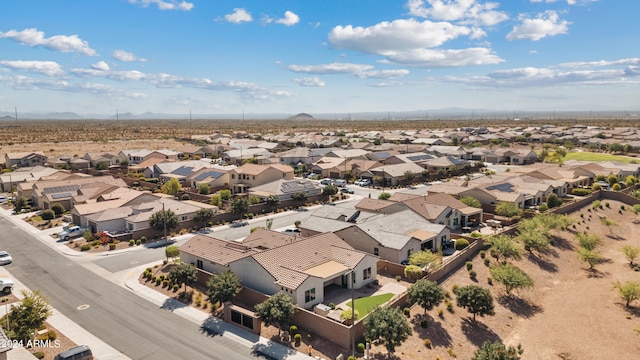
x=434 y=114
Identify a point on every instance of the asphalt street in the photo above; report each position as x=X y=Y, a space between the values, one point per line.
x=134 y=326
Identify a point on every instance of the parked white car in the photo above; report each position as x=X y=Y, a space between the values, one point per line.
x=363 y=182
x=6 y=285
x=71 y=232
x=5 y=258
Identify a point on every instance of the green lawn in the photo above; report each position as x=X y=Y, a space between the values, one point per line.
x=589 y=156
x=366 y=304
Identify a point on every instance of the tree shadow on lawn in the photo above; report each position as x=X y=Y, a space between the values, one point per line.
x=434 y=331
x=477 y=333
x=562 y=243
x=210 y=327
x=543 y=264
x=519 y=306
x=596 y=274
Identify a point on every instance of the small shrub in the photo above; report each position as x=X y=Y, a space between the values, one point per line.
x=143 y=239
x=112 y=246
x=441 y=313
x=483 y=254
x=297 y=338
x=175 y=288
x=138 y=242
x=132 y=242
x=351 y=357
x=424 y=323
x=469 y=265
x=85 y=247
x=607 y=205
x=158 y=281
x=455 y=287
x=622 y=207
x=487 y=261
x=293 y=330
x=472 y=274
x=165 y=283
x=162 y=277
x=427 y=343
x=543 y=207
x=407 y=312
x=332 y=306
x=38 y=355
x=461 y=244
x=452 y=352
x=361 y=348
x=581 y=192
x=447 y=295
x=450 y=307
x=398 y=278
x=490 y=281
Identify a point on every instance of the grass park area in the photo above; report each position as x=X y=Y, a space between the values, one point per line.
x=365 y=304
x=590 y=156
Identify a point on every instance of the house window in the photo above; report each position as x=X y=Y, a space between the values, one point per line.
x=233 y=176
x=199 y=264
x=254 y=177
x=408 y=253
x=366 y=273
x=376 y=251
x=310 y=295
x=444 y=238
x=184 y=218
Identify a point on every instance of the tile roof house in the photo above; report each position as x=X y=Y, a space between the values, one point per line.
x=285 y=189
x=25 y=159
x=25 y=174
x=249 y=175
x=270 y=263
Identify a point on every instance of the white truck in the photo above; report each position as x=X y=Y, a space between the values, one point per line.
x=71 y=232
x=6 y=285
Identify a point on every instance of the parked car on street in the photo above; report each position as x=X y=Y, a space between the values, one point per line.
x=71 y=232
x=326 y=181
x=347 y=191
x=363 y=182
x=5 y=258
x=6 y=285
x=340 y=183
x=238 y=223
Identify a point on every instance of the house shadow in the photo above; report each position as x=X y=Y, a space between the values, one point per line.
x=519 y=306
x=543 y=264
x=172 y=304
x=434 y=331
x=271 y=350
x=477 y=333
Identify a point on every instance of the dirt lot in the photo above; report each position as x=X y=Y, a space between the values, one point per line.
x=571 y=313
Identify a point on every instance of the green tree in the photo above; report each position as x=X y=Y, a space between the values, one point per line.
x=409 y=176
x=204 y=189
x=172 y=251
x=240 y=206
x=629 y=291
x=591 y=257
x=223 y=287
x=497 y=351
x=561 y=152
x=427 y=294
x=28 y=316
x=413 y=273
x=612 y=179
x=162 y=217
x=588 y=241
x=503 y=246
x=631 y=253
x=47 y=214
x=330 y=190
x=511 y=277
x=171 y=187
x=475 y=299
x=384 y=196
x=608 y=223
x=203 y=216
x=19 y=204
x=299 y=197
x=225 y=194
x=508 y=209
x=278 y=310
x=183 y=273
x=346 y=316
x=426 y=260
x=216 y=200
x=627 y=148
x=630 y=180
x=534 y=240
x=58 y=209
x=615 y=147
x=387 y=326
x=253 y=200
x=272 y=202
x=553 y=201
x=471 y=201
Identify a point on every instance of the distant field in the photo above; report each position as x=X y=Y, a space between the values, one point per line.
x=589 y=156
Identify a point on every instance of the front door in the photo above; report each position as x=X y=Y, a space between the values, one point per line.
x=345 y=281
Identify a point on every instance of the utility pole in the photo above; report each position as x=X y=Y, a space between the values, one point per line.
x=353 y=314
x=16 y=109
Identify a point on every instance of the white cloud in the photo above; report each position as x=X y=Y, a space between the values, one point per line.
x=238 y=16
x=545 y=24
x=309 y=81
x=101 y=66
x=165 y=4
x=382 y=74
x=618 y=71
x=395 y=35
x=570 y=2
x=465 y=11
x=290 y=18
x=442 y=58
x=62 y=43
x=49 y=68
x=333 y=68
x=126 y=56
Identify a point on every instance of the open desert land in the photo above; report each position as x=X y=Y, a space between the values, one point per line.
x=571 y=313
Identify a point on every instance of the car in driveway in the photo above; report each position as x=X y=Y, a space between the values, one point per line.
x=71 y=232
x=5 y=258
x=363 y=182
x=6 y=285
x=238 y=223
x=347 y=190
x=326 y=181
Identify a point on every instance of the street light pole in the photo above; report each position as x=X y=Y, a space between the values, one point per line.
x=164 y=223
x=353 y=314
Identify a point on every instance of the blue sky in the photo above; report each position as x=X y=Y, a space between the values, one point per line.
x=318 y=56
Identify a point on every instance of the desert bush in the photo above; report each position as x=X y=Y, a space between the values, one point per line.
x=293 y=330
x=581 y=192
x=48 y=214
x=461 y=244
x=85 y=247
x=423 y=323
x=483 y=254
x=132 y=242
x=112 y=246
x=469 y=265
x=407 y=311
x=361 y=348
x=472 y=274
x=427 y=343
